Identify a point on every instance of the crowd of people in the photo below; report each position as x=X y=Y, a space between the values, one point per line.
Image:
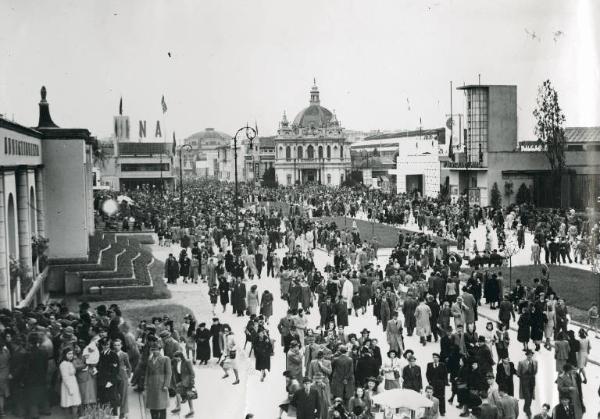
x=334 y=371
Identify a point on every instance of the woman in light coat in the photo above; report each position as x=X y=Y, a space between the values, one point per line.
x=252 y=300
x=423 y=316
x=69 y=389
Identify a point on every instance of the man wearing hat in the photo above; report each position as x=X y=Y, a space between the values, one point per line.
x=526 y=371
x=157 y=381
x=411 y=375
x=307 y=401
x=170 y=345
x=437 y=377
x=508 y=407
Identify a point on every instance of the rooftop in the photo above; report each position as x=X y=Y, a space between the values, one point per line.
x=400 y=134
x=472 y=86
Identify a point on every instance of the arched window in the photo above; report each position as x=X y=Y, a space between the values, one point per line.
x=280 y=153
x=310 y=152
x=300 y=153
x=288 y=153
x=328 y=152
x=341 y=152
x=320 y=151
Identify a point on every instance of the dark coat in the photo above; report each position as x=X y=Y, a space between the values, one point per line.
x=411 y=377
x=108 y=372
x=342 y=376
x=307 y=405
x=238 y=297
x=202 y=344
x=262 y=352
x=505 y=381
x=185 y=379
x=437 y=377
x=366 y=366
x=34 y=371
x=341 y=312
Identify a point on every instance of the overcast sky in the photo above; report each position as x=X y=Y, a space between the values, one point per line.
x=238 y=61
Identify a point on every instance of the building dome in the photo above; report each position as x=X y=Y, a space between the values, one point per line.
x=314 y=115
x=208 y=137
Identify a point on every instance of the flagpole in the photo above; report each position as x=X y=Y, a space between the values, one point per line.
x=163 y=148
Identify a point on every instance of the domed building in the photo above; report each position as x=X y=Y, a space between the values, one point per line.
x=203 y=159
x=313 y=148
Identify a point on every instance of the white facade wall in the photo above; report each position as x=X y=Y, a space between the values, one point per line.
x=418 y=157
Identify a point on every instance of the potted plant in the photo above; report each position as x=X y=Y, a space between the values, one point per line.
x=39 y=245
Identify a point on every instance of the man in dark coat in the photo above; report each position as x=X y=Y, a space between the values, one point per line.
x=342 y=376
x=437 y=377
x=341 y=312
x=366 y=366
x=307 y=401
x=108 y=377
x=238 y=297
x=34 y=372
x=326 y=312
x=411 y=375
x=505 y=372
x=171 y=269
x=564 y=410
x=408 y=309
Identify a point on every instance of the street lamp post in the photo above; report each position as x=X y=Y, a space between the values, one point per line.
x=251 y=134
x=187 y=147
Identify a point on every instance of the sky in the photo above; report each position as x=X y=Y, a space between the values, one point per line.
x=381 y=65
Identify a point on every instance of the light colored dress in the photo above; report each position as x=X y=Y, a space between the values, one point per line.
x=584 y=350
x=69 y=389
x=253 y=302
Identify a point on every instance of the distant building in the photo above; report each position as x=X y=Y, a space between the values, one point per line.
x=408 y=159
x=127 y=165
x=491 y=155
x=203 y=159
x=260 y=158
x=45 y=191
x=312 y=148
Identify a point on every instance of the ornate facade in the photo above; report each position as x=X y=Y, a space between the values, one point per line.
x=313 y=148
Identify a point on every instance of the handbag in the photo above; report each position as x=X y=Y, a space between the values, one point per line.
x=192 y=394
x=396 y=374
x=231 y=354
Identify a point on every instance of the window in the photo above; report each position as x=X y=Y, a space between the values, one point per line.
x=289 y=179
x=328 y=152
x=341 y=152
x=320 y=151
x=300 y=153
x=575 y=147
x=329 y=179
x=288 y=153
x=310 y=152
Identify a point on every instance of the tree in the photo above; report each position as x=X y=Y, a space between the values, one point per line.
x=268 y=179
x=353 y=179
x=549 y=126
x=496 y=197
x=523 y=195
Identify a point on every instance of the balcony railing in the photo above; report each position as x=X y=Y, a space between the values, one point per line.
x=464 y=165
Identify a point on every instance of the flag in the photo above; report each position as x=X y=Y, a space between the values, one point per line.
x=163 y=104
x=174 y=143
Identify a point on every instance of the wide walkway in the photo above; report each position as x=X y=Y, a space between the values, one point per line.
x=219 y=398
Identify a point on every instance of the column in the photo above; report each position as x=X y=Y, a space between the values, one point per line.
x=23 y=223
x=39 y=196
x=4 y=272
